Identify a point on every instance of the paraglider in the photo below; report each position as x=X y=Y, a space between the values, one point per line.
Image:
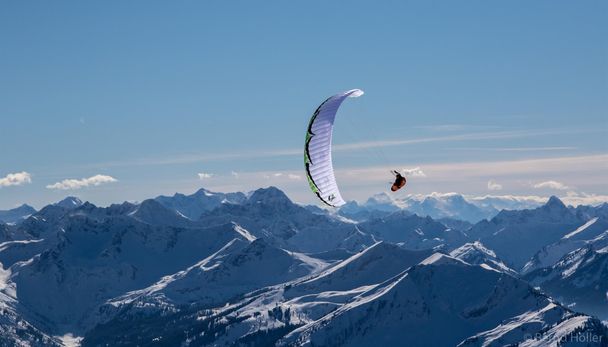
x=317 y=151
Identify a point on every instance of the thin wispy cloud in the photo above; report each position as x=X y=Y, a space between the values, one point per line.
x=494 y=135
x=15 y=179
x=513 y=149
x=457 y=171
x=551 y=185
x=492 y=185
x=234 y=174
x=269 y=153
x=69 y=184
x=204 y=175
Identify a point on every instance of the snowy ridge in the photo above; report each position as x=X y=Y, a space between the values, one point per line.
x=593 y=233
x=477 y=254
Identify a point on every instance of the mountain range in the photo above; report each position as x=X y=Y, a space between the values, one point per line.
x=257 y=269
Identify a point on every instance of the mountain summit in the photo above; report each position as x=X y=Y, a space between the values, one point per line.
x=70 y=202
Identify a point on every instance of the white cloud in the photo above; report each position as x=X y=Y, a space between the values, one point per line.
x=15 y=179
x=81 y=183
x=415 y=172
x=492 y=185
x=575 y=199
x=205 y=175
x=551 y=185
x=281 y=175
x=234 y=174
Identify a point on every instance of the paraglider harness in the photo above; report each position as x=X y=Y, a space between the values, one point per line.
x=399 y=181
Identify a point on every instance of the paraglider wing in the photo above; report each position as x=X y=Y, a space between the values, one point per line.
x=317 y=149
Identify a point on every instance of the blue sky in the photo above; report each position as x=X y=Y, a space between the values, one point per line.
x=478 y=95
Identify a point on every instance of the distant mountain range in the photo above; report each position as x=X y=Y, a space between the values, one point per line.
x=257 y=269
x=437 y=205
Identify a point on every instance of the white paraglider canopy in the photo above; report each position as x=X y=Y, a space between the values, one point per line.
x=317 y=149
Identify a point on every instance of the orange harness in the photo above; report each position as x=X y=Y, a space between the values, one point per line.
x=399 y=183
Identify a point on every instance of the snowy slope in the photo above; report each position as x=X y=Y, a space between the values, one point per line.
x=14 y=330
x=579 y=279
x=594 y=232
x=303 y=300
x=549 y=326
x=97 y=258
x=373 y=265
x=237 y=268
x=371 y=298
x=410 y=309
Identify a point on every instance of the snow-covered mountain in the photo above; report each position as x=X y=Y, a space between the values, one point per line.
x=192 y=206
x=594 y=232
x=69 y=203
x=413 y=232
x=310 y=297
x=439 y=294
x=476 y=253
x=16 y=214
x=516 y=236
x=239 y=267
x=579 y=279
x=369 y=299
x=268 y=213
x=98 y=255
x=151 y=211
